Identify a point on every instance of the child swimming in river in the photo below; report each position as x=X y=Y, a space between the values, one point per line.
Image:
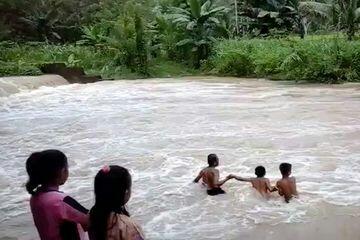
x=109 y=219
x=56 y=215
x=210 y=176
x=287 y=185
x=260 y=183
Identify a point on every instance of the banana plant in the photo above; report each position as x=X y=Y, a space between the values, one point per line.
x=95 y=34
x=199 y=23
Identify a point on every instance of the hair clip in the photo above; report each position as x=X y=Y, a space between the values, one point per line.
x=105 y=169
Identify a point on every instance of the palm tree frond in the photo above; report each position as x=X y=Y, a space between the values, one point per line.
x=315 y=8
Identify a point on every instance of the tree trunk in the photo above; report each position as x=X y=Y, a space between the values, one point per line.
x=351 y=18
x=236 y=18
x=303 y=27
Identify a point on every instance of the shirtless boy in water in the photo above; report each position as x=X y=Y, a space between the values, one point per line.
x=210 y=176
x=260 y=183
x=287 y=185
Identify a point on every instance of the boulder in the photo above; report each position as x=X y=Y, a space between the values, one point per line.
x=72 y=74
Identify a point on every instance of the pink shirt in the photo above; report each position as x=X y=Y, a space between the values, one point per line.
x=58 y=216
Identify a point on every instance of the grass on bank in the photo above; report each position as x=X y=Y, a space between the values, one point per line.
x=326 y=59
x=323 y=59
x=24 y=59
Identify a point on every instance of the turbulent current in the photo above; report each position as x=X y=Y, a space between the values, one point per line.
x=162 y=130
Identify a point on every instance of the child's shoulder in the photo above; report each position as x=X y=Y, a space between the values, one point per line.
x=262 y=179
x=209 y=169
x=124 y=218
x=293 y=179
x=129 y=222
x=205 y=169
x=129 y=229
x=49 y=196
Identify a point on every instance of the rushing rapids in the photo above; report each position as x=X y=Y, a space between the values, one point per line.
x=163 y=129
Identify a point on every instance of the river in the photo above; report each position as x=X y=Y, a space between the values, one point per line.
x=163 y=129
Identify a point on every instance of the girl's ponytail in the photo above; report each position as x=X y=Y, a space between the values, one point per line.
x=31 y=186
x=32 y=167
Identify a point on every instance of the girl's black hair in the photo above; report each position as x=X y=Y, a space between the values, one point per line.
x=43 y=168
x=110 y=186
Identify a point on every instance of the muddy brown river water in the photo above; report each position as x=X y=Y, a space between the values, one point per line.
x=163 y=129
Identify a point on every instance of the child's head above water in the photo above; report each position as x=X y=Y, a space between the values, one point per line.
x=112 y=188
x=46 y=168
x=213 y=160
x=260 y=171
x=285 y=169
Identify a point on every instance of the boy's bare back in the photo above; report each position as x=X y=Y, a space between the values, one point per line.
x=287 y=188
x=210 y=177
x=262 y=185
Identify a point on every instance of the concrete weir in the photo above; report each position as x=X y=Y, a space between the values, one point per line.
x=12 y=85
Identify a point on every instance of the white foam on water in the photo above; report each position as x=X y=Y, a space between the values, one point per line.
x=13 y=85
x=162 y=130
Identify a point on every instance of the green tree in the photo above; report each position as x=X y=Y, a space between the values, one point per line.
x=199 y=22
x=122 y=31
x=52 y=20
x=141 y=46
x=286 y=15
x=349 y=15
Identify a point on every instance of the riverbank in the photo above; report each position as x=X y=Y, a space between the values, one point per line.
x=320 y=59
x=26 y=60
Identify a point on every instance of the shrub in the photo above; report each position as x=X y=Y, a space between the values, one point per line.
x=328 y=60
x=229 y=59
x=24 y=59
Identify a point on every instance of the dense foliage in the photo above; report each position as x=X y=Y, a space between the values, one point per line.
x=132 y=35
x=24 y=59
x=316 y=59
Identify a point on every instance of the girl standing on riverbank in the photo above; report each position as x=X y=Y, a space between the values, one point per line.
x=56 y=215
x=109 y=219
